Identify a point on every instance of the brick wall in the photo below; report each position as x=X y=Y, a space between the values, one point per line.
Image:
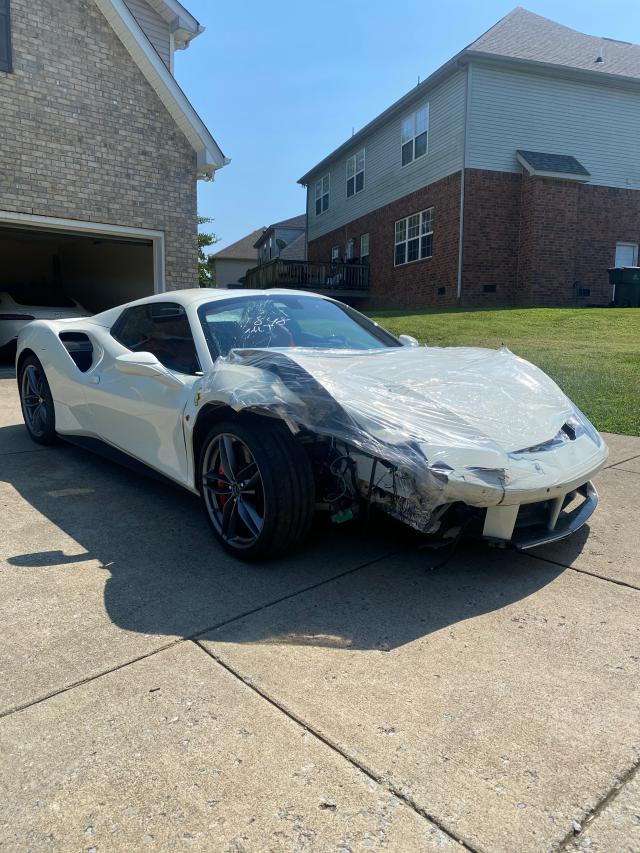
x=491 y=227
x=415 y=284
x=606 y=216
x=537 y=241
x=549 y=216
x=84 y=136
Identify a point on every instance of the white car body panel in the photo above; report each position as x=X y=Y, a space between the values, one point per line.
x=476 y=426
x=11 y=328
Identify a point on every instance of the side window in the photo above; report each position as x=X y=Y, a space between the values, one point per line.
x=5 y=36
x=161 y=328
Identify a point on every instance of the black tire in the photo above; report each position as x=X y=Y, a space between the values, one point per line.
x=280 y=497
x=36 y=401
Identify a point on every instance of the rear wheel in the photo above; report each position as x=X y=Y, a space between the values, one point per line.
x=36 y=401
x=257 y=488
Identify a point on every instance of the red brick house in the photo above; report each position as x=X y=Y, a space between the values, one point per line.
x=511 y=175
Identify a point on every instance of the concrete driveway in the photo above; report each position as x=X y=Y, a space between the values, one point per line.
x=157 y=695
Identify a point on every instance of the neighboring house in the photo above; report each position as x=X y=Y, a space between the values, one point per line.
x=231 y=263
x=286 y=239
x=510 y=175
x=100 y=148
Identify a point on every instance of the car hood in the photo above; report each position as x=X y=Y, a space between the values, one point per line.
x=457 y=396
x=454 y=393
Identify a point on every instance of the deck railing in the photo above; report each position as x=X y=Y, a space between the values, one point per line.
x=310 y=275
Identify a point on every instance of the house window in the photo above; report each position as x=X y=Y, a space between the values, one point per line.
x=355 y=173
x=626 y=255
x=364 y=248
x=489 y=288
x=414 y=237
x=5 y=36
x=322 y=195
x=350 y=250
x=335 y=253
x=415 y=135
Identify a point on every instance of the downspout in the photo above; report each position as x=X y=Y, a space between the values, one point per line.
x=467 y=98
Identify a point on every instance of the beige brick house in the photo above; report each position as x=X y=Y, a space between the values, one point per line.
x=100 y=150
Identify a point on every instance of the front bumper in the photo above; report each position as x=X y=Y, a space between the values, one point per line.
x=529 y=525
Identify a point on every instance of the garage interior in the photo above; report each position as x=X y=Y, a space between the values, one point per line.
x=97 y=270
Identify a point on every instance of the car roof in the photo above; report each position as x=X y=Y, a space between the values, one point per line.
x=194 y=296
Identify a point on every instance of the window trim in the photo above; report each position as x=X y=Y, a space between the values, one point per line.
x=627 y=245
x=7 y=68
x=356 y=172
x=116 y=328
x=406 y=240
x=415 y=135
x=320 y=197
x=362 y=236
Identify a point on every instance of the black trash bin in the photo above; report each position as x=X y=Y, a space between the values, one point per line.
x=626 y=283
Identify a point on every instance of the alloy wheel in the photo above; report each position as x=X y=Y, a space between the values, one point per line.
x=34 y=401
x=233 y=491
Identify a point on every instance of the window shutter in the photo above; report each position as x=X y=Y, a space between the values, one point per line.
x=5 y=36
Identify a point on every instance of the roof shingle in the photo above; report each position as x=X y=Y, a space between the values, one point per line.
x=243 y=249
x=524 y=35
x=559 y=164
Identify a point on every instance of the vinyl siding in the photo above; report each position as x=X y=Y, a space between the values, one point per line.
x=597 y=124
x=386 y=180
x=155 y=28
x=229 y=270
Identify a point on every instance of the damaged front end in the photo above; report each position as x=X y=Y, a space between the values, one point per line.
x=430 y=436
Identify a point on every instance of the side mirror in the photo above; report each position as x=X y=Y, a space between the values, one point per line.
x=408 y=341
x=146 y=364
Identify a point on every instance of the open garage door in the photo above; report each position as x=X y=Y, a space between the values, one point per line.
x=98 y=270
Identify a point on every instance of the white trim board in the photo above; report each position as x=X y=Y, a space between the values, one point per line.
x=8 y=217
x=128 y=30
x=183 y=25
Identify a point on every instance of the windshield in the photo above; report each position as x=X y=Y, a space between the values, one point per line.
x=288 y=321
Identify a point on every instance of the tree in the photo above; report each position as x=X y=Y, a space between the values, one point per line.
x=206 y=269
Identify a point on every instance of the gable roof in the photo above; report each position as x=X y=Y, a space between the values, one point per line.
x=521 y=37
x=241 y=250
x=209 y=155
x=296 y=250
x=293 y=222
x=524 y=35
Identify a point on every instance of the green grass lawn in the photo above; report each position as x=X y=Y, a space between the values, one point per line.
x=592 y=353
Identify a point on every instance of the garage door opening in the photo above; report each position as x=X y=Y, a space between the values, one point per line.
x=96 y=270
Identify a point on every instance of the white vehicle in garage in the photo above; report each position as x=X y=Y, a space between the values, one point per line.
x=272 y=404
x=22 y=305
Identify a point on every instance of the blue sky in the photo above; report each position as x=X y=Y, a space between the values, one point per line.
x=280 y=85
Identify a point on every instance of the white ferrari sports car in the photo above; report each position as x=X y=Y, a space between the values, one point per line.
x=274 y=404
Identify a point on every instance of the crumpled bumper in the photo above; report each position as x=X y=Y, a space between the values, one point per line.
x=530 y=525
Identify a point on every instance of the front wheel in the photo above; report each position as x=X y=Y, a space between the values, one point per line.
x=257 y=488
x=36 y=401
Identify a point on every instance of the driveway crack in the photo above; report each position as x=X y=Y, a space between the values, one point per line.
x=324 y=739
x=65 y=689
x=588 y=820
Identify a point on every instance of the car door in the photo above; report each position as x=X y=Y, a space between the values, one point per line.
x=142 y=415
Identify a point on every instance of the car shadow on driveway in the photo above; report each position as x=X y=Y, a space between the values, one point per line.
x=167 y=575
